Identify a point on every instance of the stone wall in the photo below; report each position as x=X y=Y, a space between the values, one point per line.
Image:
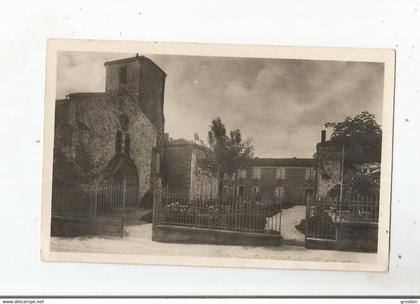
x=183 y=173
x=177 y=163
x=202 y=183
x=192 y=235
x=151 y=92
x=329 y=170
x=93 y=135
x=133 y=75
x=145 y=84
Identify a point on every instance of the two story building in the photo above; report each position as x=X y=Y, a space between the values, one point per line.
x=291 y=180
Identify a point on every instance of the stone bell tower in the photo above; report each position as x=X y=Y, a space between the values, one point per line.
x=143 y=81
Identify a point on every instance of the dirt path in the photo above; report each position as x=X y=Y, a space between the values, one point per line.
x=289 y=219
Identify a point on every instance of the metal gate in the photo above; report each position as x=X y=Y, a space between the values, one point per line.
x=319 y=220
x=323 y=218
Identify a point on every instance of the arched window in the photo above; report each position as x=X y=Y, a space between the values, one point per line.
x=124 y=122
x=118 y=142
x=127 y=144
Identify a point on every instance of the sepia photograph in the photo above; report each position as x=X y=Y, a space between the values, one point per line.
x=217 y=155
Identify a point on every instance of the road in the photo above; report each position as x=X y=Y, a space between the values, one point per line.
x=139 y=241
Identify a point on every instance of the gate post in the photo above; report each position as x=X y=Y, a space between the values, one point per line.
x=123 y=205
x=280 y=215
x=157 y=198
x=307 y=215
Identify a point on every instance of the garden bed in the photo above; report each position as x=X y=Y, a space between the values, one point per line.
x=193 y=235
x=244 y=216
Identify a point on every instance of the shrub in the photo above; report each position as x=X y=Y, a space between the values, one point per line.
x=248 y=217
x=178 y=213
x=320 y=223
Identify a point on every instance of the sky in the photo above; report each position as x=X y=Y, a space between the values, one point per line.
x=281 y=104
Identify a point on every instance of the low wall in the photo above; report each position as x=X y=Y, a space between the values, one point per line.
x=192 y=235
x=62 y=226
x=357 y=237
x=70 y=226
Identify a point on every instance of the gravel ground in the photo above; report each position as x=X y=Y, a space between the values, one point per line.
x=139 y=241
x=289 y=219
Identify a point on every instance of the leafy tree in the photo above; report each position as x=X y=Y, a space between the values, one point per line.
x=361 y=184
x=224 y=153
x=361 y=124
x=361 y=136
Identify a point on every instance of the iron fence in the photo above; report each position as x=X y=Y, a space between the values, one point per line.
x=69 y=201
x=73 y=201
x=243 y=214
x=322 y=216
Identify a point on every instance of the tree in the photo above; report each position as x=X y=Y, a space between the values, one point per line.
x=224 y=153
x=361 y=136
x=361 y=124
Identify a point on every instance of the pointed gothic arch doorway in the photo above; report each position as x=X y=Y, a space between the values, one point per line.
x=120 y=187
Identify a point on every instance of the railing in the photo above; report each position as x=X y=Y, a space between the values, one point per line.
x=100 y=201
x=67 y=201
x=323 y=215
x=359 y=212
x=244 y=214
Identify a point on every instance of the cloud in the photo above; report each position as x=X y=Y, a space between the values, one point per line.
x=281 y=104
x=82 y=72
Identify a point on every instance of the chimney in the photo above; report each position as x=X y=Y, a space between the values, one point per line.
x=165 y=137
x=323 y=135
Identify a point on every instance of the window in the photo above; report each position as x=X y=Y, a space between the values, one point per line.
x=307 y=173
x=203 y=188
x=256 y=173
x=118 y=142
x=157 y=160
x=198 y=188
x=123 y=75
x=241 y=190
x=127 y=144
x=124 y=122
x=225 y=191
x=242 y=173
x=313 y=173
x=279 y=192
x=255 y=191
x=281 y=173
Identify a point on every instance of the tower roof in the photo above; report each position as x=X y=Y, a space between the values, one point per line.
x=135 y=58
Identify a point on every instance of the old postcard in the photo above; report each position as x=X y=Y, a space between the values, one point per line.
x=217 y=155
